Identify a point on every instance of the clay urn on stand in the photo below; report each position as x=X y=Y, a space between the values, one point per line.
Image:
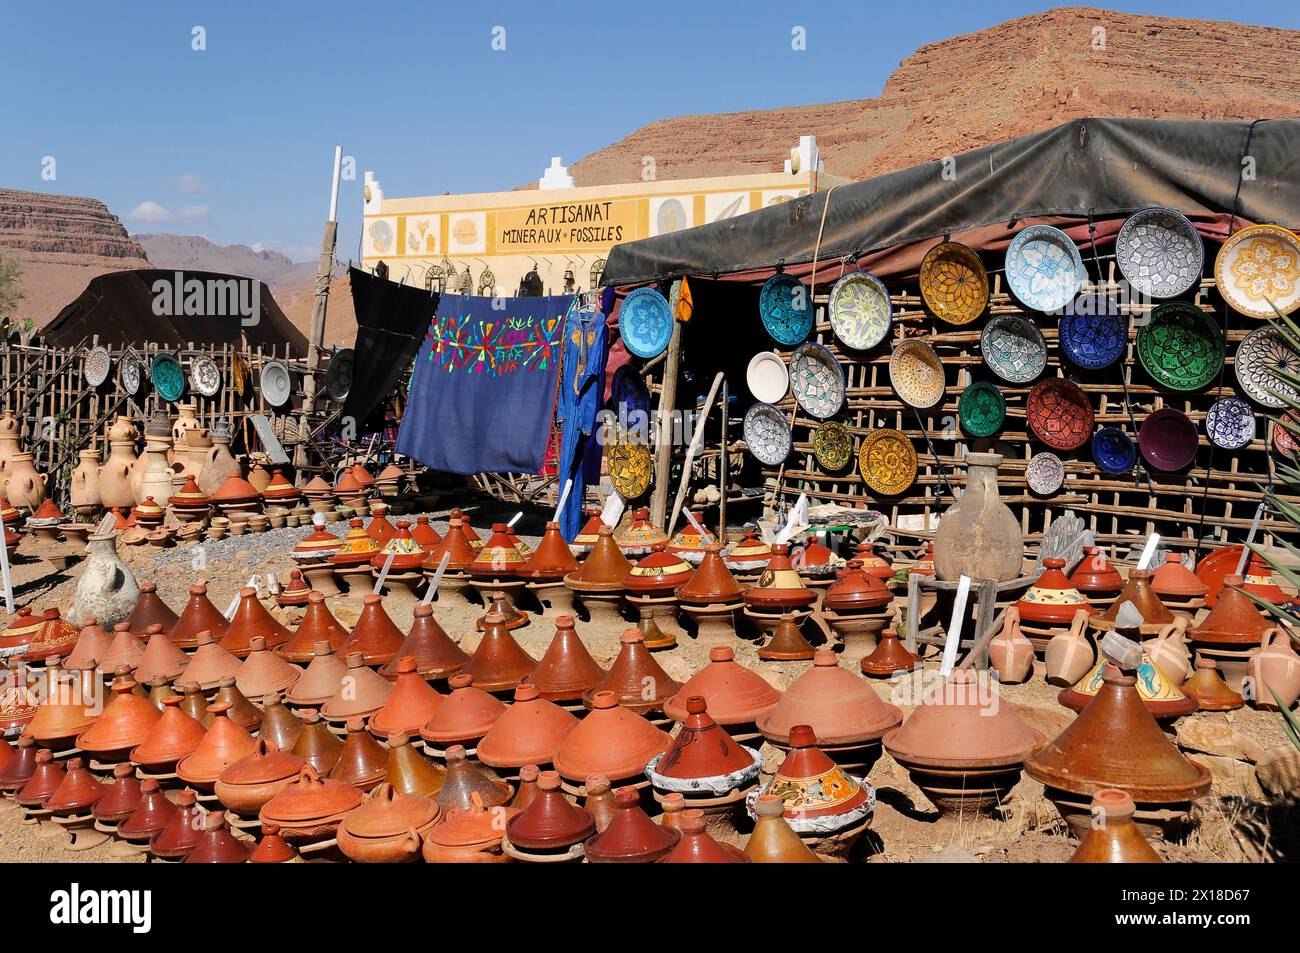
x=436 y=656
x=636 y=679
x=498 y=663
x=84 y=492
x=599 y=584
x=889 y=657
x=979 y=536
x=464 y=717
x=856 y=607
x=780 y=590
x=199 y=615
x=611 y=742
x=1231 y=633
x=651 y=586
x=737 y=696
x=1112 y=837
x=1048 y=607
x=454 y=554
x=544 y=571
x=567 y=669
x=550 y=829
x=711 y=599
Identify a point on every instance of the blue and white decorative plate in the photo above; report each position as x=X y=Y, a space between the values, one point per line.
x=786 y=308
x=1093 y=341
x=1159 y=252
x=1264 y=352
x=860 y=310
x=1113 y=450
x=767 y=434
x=1013 y=348
x=1043 y=268
x=1045 y=473
x=645 y=322
x=1230 y=423
x=817 y=380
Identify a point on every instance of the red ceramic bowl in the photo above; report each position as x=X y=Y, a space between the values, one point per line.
x=1059 y=413
x=1168 y=439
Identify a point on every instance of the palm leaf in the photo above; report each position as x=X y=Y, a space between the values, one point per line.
x=1289 y=721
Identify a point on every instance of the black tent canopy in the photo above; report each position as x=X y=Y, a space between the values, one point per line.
x=1089 y=167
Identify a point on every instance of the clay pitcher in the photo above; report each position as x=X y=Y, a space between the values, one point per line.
x=24 y=487
x=218 y=465
x=978 y=536
x=1274 y=670
x=85 y=483
x=1168 y=651
x=9 y=442
x=115 y=474
x=1010 y=652
x=1069 y=656
x=107 y=590
x=155 y=473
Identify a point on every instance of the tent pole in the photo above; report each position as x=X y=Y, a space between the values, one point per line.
x=323 y=271
x=667 y=403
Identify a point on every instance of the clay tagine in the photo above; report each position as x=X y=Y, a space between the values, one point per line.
x=179 y=835
x=263 y=672
x=317 y=545
x=247 y=784
x=466 y=784
x=406 y=553
x=1176 y=585
x=199 y=615
x=251 y=619
x=567 y=669
x=216 y=845
x=465 y=716
x=636 y=679
x=320 y=681
x=1113 y=838
x=703 y=758
x=780 y=586
x=374 y=635
x=175 y=735
x=209 y=664
x=455 y=545
x=272 y=848
x=787 y=643
x=588 y=535
x=436 y=655
x=124 y=723
x=18 y=770
x=498 y=559
x=309 y=808
x=820 y=797
x=498 y=664
x=150 y=610
x=631 y=837
x=411 y=704
x=1162 y=697
x=1139 y=592
x=318 y=624
x=387 y=828
x=1208 y=689
x=357 y=548
x=471 y=836
x=889 y=657
x=77 y=793
x=856 y=590
x=1234 y=621
x=362 y=692
x=424 y=534
x=410 y=772
x=713 y=583
x=152 y=813
x=162 y=658
x=1049 y=605
x=749 y=556
x=611 y=741
x=641 y=536
x=552 y=560
x=121 y=797
x=658 y=574
x=735 y=695
x=319 y=746
x=550 y=826
x=697 y=847
x=363 y=762
x=529 y=732
x=223 y=745
x=1095 y=577
x=604 y=569
x=124 y=651
x=91 y=646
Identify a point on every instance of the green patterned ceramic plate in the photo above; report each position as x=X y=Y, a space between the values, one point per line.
x=982 y=409
x=832 y=446
x=1181 y=347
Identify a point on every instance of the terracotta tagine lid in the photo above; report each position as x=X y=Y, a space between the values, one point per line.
x=436 y=655
x=1234 y=620
x=529 y=732
x=641 y=536
x=658 y=574
x=175 y=735
x=698 y=847
x=611 y=741
x=320 y=681
x=310 y=797
x=242 y=711
x=363 y=761
x=425 y=536
x=149 y=610
x=787 y=643
x=364 y=479
x=91 y=646
x=189 y=496
x=456 y=545
x=631 y=837
x=1139 y=592
x=77 y=792
x=466 y=783
x=181 y=831
x=773 y=840
x=498 y=664
x=45 y=780
x=18 y=770
x=124 y=723
x=713 y=583
x=812 y=785
x=318 y=544
x=47 y=514
x=251 y=619
x=380 y=529
x=589 y=533
x=889 y=656
x=124 y=651
x=216 y=845
x=236 y=490
x=1113 y=838
x=750 y=555
x=64 y=712
x=348 y=485
x=466 y=715
x=1176 y=581
x=406 y=552
x=272 y=848
x=362 y=692
x=280 y=488
x=877 y=567
x=1209 y=690
x=604 y=569
x=319 y=746
x=121 y=796
x=199 y=615
x=223 y=745
x=152 y=813
x=1086 y=757
x=162 y=658
x=498 y=559
x=552 y=561
x=318 y=486
x=855 y=590
x=318 y=625
x=1259 y=581
x=194 y=702
x=265 y=764
x=780 y=586
x=702 y=748
x=1053 y=598
x=567 y=669
x=550 y=823
x=735 y=695
x=411 y=704
x=636 y=679
x=500 y=604
x=690 y=543
x=263 y=672
x=209 y=664
x=1095 y=576
x=842 y=709
x=388 y=813
x=38 y=638
x=279 y=724
x=357 y=548
x=817 y=560
x=409 y=771
x=374 y=635
x=478 y=829
x=295 y=591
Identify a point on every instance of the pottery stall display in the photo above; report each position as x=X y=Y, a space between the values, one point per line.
x=1231 y=633
x=636 y=679
x=711 y=598
x=651 y=586
x=599 y=580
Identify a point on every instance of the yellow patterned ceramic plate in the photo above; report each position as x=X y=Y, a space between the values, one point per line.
x=954 y=284
x=887 y=462
x=1259 y=264
x=832 y=446
x=917 y=374
x=630 y=466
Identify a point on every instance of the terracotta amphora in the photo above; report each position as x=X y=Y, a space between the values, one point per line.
x=979 y=536
x=1113 y=838
x=85 y=483
x=1010 y=653
x=1168 y=651
x=24 y=487
x=1069 y=656
x=114 y=479
x=1273 y=670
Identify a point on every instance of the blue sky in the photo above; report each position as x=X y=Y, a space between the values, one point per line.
x=235 y=142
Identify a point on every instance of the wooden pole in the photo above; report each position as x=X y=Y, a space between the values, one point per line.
x=724 y=461
x=319 y=311
x=696 y=439
x=667 y=404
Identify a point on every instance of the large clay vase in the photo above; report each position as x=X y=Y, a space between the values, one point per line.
x=107 y=590
x=1274 y=670
x=155 y=473
x=978 y=536
x=115 y=475
x=85 y=483
x=24 y=487
x=218 y=467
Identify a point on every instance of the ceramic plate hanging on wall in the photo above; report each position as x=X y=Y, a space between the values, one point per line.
x=645 y=322
x=916 y=373
x=767 y=434
x=1259 y=264
x=629 y=398
x=786 y=308
x=817 y=380
x=982 y=409
x=130 y=372
x=1160 y=253
x=205 y=377
x=887 y=461
x=860 y=310
x=1181 y=347
x=168 y=378
x=1113 y=450
x=1230 y=423
x=832 y=446
x=96 y=366
x=1285 y=442
x=1168 y=439
x=1059 y=414
x=274 y=383
x=954 y=285
x=1013 y=348
x=1045 y=473
x=1043 y=268
x=1262 y=352
x=767 y=377
x=1093 y=341
x=338 y=376
x=630 y=466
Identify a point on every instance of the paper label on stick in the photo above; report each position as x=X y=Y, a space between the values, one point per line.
x=612 y=512
x=383 y=573
x=954 y=627
x=437 y=578
x=1148 y=551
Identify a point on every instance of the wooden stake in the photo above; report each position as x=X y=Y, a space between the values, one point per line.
x=667 y=404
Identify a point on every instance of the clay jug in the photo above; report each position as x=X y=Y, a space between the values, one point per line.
x=1274 y=670
x=218 y=465
x=9 y=441
x=85 y=483
x=1168 y=651
x=774 y=840
x=1010 y=652
x=107 y=590
x=155 y=473
x=1113 y=838
x=1069 y=656
x=24 y=487
x=978 y=536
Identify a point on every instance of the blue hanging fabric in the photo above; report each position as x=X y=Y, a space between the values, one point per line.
x=582 y=385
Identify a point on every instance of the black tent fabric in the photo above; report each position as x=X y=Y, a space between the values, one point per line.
x=1102 y=167
x=392 y=320
x=128 y=307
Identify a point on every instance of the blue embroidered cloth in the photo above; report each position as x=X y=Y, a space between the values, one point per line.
x=581 y=392
x=483 y=389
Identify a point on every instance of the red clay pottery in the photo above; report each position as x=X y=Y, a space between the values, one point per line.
x=361 y=693
x=877 y=567
x=223 y=745
x=550 y=825
x=750 y=555
x=1069 y=655
x=162 y=658
x=455 y=545
x=294 y=593
x=121 y=797
x=76 y=793
x=703 y=749
x=175 y=735
x=1010 y=653
x=1139 y=592
x=529 y=732
x=424 y=534
x=473 y=836
x=1169 y=652
x=636 y=679
x=199 y=615
x=151 y=814
x=124 y=723
x=272 y=848
x=412 y=703
x=787 y=643
x=567 y=669
x=780 y=586
x=599 y=801
x=658 y=574
x=589 y=533
x=690 y=543
x=815 y=561
x=247 y=784
x=697 y=847
x=310 y=807
x=363 y=762
x=45 y=780
x=735 y=695
x=1116 y=742
x=465 y=715
x=18 y=770
x=357 y=548
x=604 y=569
x=374 y=635
x=150 y=610
x=552 y=560
x=409 y=771
x=1274 y=670
x=189 y=503
x=889 y=656
x=319 y=746
x=641 y=536
x=527 y=789
x=498 y=664
x=631 y=837
x=319 y=544
x=1209 y=690
x=252 y=619
x=498 y=559
x=436 y=655
x=263 y=672
x=1174 y=581
x=387 y=828
x=773 y=840
x=242 y=711
x=18 y=701
x=209 y=664
x=320 y=680
x=90 y=648
x=179 y=835
x=39 y=638
x=1234 y=620
x=466 y=784
x=1259 y=581
x=1113 y=838
x=216 y=845
x=500 y=603
x=611 y=741
x=713 y=583
x=979 y=536
x=1095 y=577
x=1053 y=599
x=124 y=651
x=819 y=796
x=379 y=529
x=65 y=712
x=279 y=724
x=1162 y=697
x=405 y=551
x=856 y=590
x=963 y=745
x=280 y=489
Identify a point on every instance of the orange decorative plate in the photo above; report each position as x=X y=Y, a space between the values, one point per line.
x=887 y=461
x=954 y=284
x=1257 y=265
